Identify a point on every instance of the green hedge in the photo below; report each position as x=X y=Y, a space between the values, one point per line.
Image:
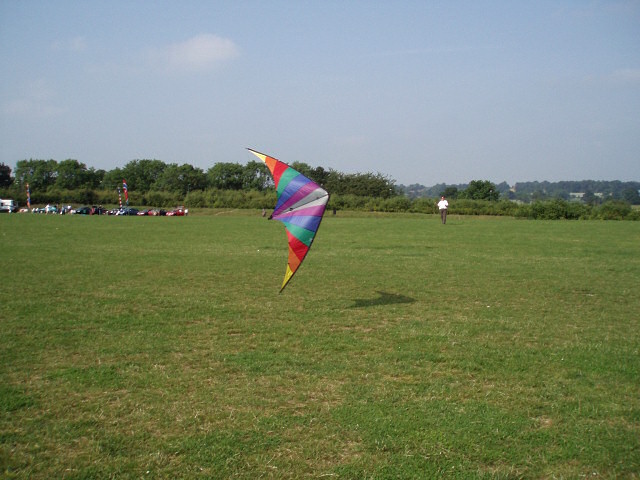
x=544 y=210
x=560 y=209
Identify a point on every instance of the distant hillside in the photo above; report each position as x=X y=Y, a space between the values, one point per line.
x=531 y=191
x=420 y=191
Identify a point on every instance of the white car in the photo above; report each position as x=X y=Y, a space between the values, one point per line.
x=8 y=206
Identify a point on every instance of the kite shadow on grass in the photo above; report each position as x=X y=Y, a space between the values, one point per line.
x=384 y=298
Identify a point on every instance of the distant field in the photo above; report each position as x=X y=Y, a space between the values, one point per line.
x=160 y=348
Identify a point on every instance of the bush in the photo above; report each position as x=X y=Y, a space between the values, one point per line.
x=482 y=207
x=348 y=202
x=634 y=215
x=160 y=199
x=612 y=210
x=229 y=199
x=578 y=211
x=254 y=199
x=106 y=197
x=553 y=210
x=263 y=199
x=195 y=199
x=505 y=207
x=523 y=211
x=396 y=204
x=424 y=205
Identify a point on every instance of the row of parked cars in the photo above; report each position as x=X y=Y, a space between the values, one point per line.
x=99 y=210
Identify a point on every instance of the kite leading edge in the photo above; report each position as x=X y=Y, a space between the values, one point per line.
x=300 y=206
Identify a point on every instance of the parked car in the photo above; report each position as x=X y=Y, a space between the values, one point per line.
x=128 y=211
x=178 y=212
x=98 y=210
x=157 y=213
x=143 y=213
x=8 y=206
x=83 y=211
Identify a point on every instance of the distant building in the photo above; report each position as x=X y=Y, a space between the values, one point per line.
x=580 y=195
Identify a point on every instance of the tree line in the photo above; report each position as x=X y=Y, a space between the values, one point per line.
x=144 y=176
x=154 y=183
x=591 y=192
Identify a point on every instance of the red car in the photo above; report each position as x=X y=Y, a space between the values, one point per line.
x=178 y=212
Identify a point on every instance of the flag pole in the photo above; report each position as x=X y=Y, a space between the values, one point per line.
x=126 y=192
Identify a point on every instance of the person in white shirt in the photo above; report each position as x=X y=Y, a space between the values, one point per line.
x=443 y=205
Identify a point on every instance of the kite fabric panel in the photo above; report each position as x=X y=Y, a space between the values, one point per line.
x=300 y=206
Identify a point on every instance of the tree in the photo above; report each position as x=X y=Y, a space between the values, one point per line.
x=71 y=175
x=480 y=190
x=450 y=192
x=39 y=174
x=304 y=168
x=319 y=175
x=256 y=176
x=538 y=196
x=504 y=188
x=112 y=179
x=141 y=175
x=589 y=198
x=5 y=176
x=360 y=184
x=225 y=176
x=631 y=196
x=613 y=210
x=181 y=179
x=95 y=178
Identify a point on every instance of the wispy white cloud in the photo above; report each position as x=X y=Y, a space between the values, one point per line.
x=626 y=76
x=622 y=77
x=76 y=44
x=434 y=50
x=199 y=53
x=35 y=102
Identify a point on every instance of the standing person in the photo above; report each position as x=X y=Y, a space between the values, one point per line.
x=443 y=205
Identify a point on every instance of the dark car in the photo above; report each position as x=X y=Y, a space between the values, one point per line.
x=128 y=211
x=157 y=213
x=83 y=211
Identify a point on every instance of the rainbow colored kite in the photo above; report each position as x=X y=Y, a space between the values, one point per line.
x=300 y=206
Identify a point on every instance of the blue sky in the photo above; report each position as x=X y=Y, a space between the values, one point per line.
x=424 y=92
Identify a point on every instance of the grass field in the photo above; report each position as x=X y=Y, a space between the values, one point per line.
x=160 y=348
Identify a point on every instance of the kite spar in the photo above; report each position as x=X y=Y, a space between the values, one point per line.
x=300 y=206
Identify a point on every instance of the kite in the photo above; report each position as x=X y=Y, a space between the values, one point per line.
x=300 y=206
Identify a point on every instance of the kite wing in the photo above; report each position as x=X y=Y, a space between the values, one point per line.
x=300 y=206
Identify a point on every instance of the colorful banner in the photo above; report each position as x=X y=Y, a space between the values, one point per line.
x=126 y=191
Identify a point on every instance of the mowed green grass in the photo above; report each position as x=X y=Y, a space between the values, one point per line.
x=402 y=348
